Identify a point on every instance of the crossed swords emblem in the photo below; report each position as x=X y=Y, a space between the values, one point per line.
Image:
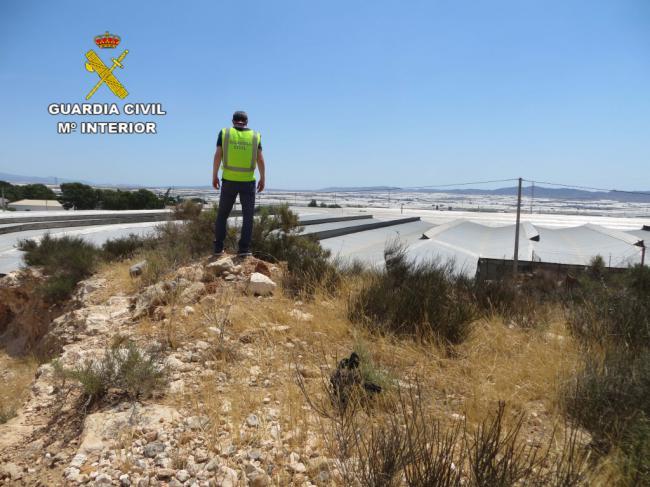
x=106 y=74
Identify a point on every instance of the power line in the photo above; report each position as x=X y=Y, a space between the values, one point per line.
x=588 y=188
x=463 y=184
x=434 y=186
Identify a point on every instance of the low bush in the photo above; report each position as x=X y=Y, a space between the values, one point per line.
x=610 y=397
x=123 y=367
x=614 y=311
x=124 y=247
x=174 y=244
x=187 y=210
x=65 y=261
x=525 y=303
x=370 y=371
x=409 y=445
x=424 y=301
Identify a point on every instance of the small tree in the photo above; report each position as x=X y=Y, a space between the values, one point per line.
x=11 y=192
x=313 y=204
x=37 y=192
x=81 y=196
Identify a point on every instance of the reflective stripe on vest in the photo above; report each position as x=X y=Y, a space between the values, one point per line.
x=230 y=154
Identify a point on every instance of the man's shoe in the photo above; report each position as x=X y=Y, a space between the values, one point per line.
x=243 y=255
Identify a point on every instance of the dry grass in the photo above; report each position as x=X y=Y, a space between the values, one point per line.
x=17 y=375
x=263 y=344
x=523 y=367
x=118 y=280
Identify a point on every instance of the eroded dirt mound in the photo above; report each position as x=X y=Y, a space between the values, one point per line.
x=24 y=315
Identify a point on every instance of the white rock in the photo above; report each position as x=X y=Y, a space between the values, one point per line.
x=136 y=269
x=176 y=386
x=103 y=480
x=218 y=267
x=191 y=273
x=71 y=473
x=78 y=460
x=230 y=476
x=297 y=467
x=300 y=316
x=188 y=310
x=260 y=285
x=152 y=296
x=175 y=364
x=102 y=429
x=192 y=293
x=197 y=422
x=125 y=481
x=182 y=475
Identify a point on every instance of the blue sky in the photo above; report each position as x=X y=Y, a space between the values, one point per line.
x=345 y=93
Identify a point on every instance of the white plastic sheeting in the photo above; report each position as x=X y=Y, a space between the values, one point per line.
x=464 y=242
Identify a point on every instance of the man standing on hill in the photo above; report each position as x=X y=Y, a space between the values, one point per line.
x=240 y=148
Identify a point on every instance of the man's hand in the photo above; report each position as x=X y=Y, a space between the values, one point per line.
x=215 y=183
x=260 y=185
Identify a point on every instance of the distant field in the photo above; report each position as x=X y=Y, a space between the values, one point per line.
x=443 y=201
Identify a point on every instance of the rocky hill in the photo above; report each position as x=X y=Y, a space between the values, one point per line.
x=215 y=376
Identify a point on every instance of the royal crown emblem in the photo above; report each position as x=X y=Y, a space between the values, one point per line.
x=105 y=73
x=107 y=41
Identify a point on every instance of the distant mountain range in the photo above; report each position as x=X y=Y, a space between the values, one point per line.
x=527 y=191
x=344 y=189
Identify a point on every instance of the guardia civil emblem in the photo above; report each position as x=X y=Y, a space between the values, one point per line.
x=96 y=65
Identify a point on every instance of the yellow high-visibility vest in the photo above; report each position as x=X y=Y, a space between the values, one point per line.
x=239 y=153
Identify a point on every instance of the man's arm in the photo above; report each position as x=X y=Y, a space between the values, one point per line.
x=261 y=168
x=215 y=167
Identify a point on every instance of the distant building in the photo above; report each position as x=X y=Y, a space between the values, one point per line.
x=35 y=205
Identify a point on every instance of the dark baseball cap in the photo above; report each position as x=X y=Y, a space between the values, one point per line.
x=240 y=117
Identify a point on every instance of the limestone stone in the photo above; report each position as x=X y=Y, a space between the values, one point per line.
x=219 y=267
x=192 y=293
x=260 y=285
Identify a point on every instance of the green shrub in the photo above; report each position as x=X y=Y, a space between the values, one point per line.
x=411 y=446
x=425 y=301
x=313 y=204
x=615 y=311
x=187 y=210
x=65 y=261
x=610 y=397
x=525 y=303
x=176 y=244
x=124 y=247
x=369 y=370
x=123 y=367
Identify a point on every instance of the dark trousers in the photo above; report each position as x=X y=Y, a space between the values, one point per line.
x=229 y=192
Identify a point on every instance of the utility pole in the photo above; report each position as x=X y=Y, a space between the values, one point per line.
x=515 y=260
x=643 y=255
